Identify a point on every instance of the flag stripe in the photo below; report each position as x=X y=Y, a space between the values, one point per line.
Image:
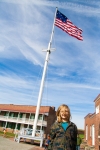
x=66 y=25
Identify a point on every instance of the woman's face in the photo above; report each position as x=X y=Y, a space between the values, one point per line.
x=64 y=113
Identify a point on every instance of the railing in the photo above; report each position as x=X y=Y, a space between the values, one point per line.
x=26 y=133
x=22 y=120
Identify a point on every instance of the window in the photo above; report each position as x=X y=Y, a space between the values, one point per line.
x=32 y=116
x=99 y=130
x=6 y=114
x=93 y=134
x=97 y=109
x=11 y=114
x=90 y=131
x=86 y=132
x=3 y=124
x=20 y=115
x=40 y=117
x=18 y=126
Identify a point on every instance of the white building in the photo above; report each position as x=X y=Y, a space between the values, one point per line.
x=15 y=117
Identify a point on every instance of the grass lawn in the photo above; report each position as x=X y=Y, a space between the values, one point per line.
x=8 y=134
x=81 y=136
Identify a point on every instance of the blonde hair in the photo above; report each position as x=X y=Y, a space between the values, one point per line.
x=59 y=119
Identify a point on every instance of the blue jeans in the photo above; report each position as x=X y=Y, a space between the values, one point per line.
x=77 y=147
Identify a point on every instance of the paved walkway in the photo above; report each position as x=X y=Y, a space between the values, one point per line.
x=9 y=144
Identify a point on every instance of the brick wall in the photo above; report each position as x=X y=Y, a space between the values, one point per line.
x=93 y=119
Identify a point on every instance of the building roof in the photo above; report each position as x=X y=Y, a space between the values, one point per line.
x=97 y=98
x=24 y=108
x=88 y=115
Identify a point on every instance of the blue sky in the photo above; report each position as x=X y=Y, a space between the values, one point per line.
x=73 y=74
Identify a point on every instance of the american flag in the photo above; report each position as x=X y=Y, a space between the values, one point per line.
x=66 y=25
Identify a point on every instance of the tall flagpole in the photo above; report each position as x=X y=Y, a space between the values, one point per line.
x=43 y=78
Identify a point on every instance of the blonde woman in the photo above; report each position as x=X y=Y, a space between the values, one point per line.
x=63 y=133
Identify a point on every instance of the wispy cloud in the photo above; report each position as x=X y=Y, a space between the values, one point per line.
x=73 y=72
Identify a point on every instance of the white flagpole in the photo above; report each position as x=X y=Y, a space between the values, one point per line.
x=43 y=78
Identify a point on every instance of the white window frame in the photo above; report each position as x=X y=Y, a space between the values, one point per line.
x=90 y=131
x=86 y=132
x=93 y=134
x=97 y=109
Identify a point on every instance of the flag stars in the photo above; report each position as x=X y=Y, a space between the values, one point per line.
x=61 y=16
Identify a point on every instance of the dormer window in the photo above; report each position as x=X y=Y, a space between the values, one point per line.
x=97 y=109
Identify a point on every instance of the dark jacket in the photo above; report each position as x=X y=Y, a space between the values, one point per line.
x=63 y=140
